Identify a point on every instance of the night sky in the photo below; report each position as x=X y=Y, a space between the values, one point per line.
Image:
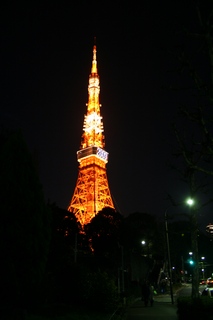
x=46 y=56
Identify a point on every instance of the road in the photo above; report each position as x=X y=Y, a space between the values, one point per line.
x=162 y=309
x=187 y=289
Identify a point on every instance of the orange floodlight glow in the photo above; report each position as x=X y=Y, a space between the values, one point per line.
x=91 y=192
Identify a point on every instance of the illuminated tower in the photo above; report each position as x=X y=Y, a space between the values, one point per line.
x=91 y=192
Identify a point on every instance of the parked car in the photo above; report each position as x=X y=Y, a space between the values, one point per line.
x=208 y=291
x=202 y=281
x=209 y=281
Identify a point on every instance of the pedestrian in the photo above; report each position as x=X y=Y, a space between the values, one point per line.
x=151 y=295
x=145 y=290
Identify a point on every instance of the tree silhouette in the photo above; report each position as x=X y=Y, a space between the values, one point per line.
x=25 y=223
x=103 y=233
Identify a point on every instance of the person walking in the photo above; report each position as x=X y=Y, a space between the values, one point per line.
x=145 y=290
x=151 y=295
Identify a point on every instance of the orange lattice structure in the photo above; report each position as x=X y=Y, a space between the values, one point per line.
x=91 y=192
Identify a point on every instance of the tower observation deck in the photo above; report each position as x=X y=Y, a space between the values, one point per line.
x=91 y=192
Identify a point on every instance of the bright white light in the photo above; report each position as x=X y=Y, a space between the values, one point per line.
x=92 y=122
x=190 y=202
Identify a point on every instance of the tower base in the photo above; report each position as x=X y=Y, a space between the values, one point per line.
x=91 y=193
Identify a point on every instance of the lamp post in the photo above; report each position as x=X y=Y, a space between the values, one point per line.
x=169 y=259
x=146 y=245
x=194 y=234
x=122 y=264
x=202 y=269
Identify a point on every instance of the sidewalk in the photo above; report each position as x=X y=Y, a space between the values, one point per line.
x=162 y=309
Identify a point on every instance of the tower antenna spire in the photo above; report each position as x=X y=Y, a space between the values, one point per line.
x=94 y=61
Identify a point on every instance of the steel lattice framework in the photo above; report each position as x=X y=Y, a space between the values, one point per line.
x=91 y=192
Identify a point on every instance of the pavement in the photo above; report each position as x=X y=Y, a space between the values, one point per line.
x=162 y=309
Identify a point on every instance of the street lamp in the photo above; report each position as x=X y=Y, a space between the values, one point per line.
x=203 y=270
x=191 y=261
x=194 y=235
x=190 y=201
x=146 y=245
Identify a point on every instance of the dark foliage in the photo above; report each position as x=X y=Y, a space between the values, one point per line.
x=103 y=233
x=99 y=291
x=64 y=232
x=140 y=227
x=197 y=308
x=25 y=223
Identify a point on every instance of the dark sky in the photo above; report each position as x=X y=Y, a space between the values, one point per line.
x=46 y=55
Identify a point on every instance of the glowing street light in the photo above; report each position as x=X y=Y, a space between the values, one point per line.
x=146 y=245
x=202 y=264
x=190 y=202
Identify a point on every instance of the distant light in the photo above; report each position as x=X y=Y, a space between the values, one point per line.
x=209 y=228
x=143 y=242
x=190 y=202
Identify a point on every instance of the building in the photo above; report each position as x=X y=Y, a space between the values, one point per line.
x=92 y=192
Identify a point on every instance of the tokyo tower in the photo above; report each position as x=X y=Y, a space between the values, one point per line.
x=91 y=192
